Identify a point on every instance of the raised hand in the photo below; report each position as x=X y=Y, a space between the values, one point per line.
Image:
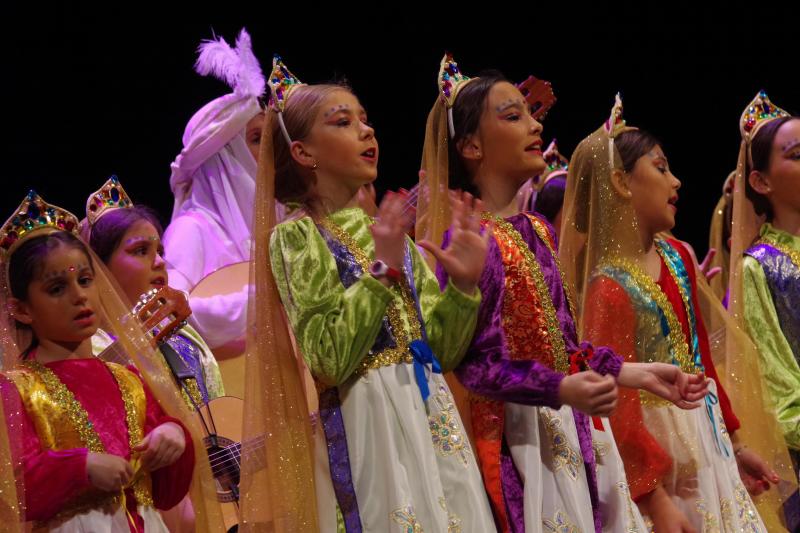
x=465 y=256
x=705 y=266
x=390 y=228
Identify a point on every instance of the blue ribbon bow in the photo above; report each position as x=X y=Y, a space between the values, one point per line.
x=424 y=356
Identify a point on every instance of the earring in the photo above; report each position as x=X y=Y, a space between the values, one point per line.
x=315 y=166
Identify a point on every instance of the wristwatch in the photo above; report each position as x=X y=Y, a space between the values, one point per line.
x=379 y=269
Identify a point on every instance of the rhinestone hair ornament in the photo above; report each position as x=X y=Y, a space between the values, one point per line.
x=109 y=197
x=281 y=83
x=33 y=216
x=614 y=126
x=557 y=164
x=757 y=113
x=451 y=81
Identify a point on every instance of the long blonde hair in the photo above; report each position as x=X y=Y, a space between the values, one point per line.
x=294 y=183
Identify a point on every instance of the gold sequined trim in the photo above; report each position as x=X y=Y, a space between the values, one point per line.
x=400 y=353
x=726 y=511
x=89 y=437
x=791 y=253
x=551 y=318
x=676 y=338
x=193 y=397
x=544 y=235
x=75 y=411
x=749 y=520
x=134 y=420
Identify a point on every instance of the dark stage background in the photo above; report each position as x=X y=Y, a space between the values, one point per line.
x=92 y=91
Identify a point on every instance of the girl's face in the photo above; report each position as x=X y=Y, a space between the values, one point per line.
x=62 y=298
x=138 y=262
x=654 y=191
x=252 y=134
x=341 y=143
x=508 y=141
x=781 y=182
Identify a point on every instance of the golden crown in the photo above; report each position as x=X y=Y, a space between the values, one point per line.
x=281 y=83
x=32 y=216
x=109 y=197
x=758 y=112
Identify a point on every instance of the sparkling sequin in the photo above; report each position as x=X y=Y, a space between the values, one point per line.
x=564 y=457
x=448 y=439
x=650 y=289
x=547 y=239
x=135 y=421
x=192 y=392
x=710 y=520
x=78 y=418
x=625 y=490
x=726 y=512
x=524 y=277
x=749 y=520
x=453 y=521
x=561 y=523
x=406 y=519
x=75 y=412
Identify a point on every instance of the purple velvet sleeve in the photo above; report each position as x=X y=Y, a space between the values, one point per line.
x=487 y=368
x=605 y=360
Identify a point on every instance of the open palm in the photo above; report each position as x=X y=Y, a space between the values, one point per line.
x=464 y=258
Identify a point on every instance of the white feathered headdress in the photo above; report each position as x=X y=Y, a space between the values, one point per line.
x=237 y=67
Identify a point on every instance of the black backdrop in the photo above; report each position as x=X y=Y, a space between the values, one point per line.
x=92 y=91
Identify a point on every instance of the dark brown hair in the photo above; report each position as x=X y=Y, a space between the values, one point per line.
x=28 y=260
x=108 y=231
x=467 y=111
x=632 y=145
x=760 y=155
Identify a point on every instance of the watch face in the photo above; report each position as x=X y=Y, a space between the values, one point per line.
x=378 y=268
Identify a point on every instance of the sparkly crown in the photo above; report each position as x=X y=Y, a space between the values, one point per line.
x=109 y=197
x=557 y=164
x=758 y=112
x=615 y=123
x=539 y=95
x=281 y=82
x=451 y=80
x=34 y=215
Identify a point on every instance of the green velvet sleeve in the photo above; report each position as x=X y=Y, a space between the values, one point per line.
x=778 y=364
x=335 y=327
x=450 y=315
